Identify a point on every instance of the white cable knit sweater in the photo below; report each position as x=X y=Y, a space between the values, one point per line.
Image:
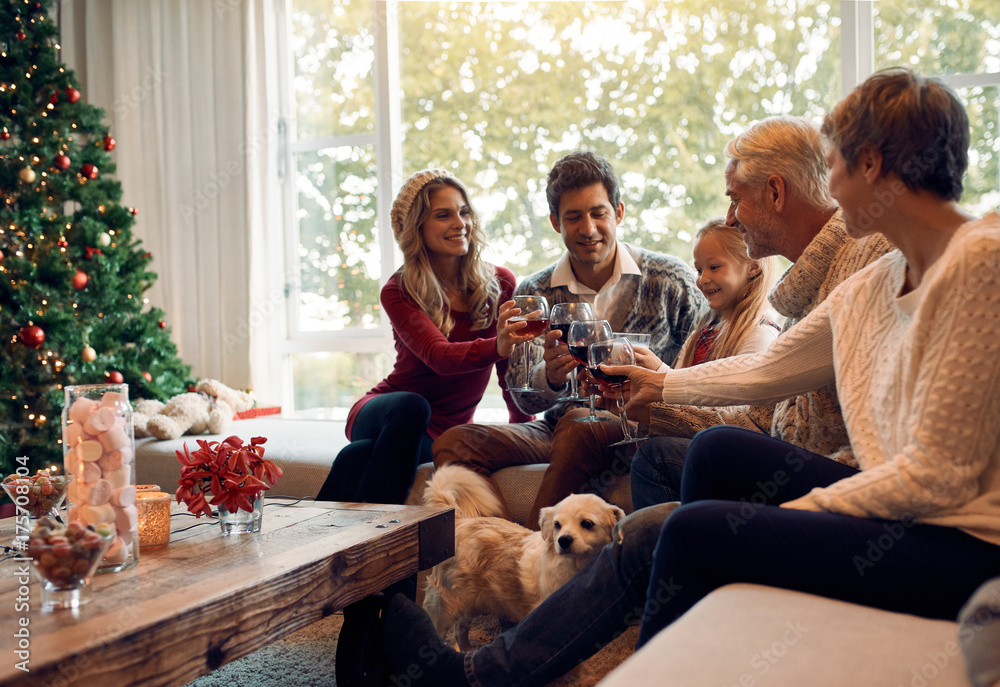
x=918 y=379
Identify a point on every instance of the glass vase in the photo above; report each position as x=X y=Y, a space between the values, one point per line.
x=242 y=522
x=98 y=453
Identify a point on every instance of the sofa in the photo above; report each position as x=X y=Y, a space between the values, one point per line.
x=305 y=449
x=746 y=635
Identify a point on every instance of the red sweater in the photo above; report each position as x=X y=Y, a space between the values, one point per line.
x=451 y=373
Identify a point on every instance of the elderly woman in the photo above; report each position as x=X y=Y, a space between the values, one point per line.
x=911 y=344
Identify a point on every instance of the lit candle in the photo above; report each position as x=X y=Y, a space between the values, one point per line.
x=154 y=518
x=147 y=487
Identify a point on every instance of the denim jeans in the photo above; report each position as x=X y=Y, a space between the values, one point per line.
x=656 y=471
x=730 y=530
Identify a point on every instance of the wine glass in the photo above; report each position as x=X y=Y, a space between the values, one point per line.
x=534 y=311
x=581 y=335
x=614 y=351
x=562 y=315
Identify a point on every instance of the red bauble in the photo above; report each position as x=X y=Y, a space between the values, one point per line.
x=62 y=243
x=72 y=94
x=192 y=389
x=114 y=377
x=80 y=280
x=54 y=98
x=109 y=143
x=61 y=162
x=161 y=324
x=89 y=171
x=21 y=35
x=148 y=377
x=32 y=336
x=134 y=211
x=4 y=135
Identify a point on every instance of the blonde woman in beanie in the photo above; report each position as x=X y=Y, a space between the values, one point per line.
x=449 y=311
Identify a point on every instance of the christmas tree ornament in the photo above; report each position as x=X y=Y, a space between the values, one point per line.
x=104 y=239
x=61 y=162
x=31 y=336
x=62 y=243
x=133 y=211
x=27 y=175
x=72 y=94
x=114 y=377
x=109 y=143
x=54 y=98
x=88 y=354
x=161 y=324
x=148 y=377
x=4 y=135
x=21 y=35
x=80 y=280
x=89 y=170
x=91 y=252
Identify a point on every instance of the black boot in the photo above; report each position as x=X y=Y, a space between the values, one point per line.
x=360 y=657
x=417 y=654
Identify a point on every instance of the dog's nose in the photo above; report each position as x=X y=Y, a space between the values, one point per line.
x=565 y=541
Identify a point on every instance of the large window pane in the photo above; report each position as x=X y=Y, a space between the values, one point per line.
x=955 y=37
x=981 y=193
x=338 y=253
x=333 y=53
x=497 y=92
x=334 y=380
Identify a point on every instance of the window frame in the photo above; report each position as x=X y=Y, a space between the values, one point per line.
x=857 y=42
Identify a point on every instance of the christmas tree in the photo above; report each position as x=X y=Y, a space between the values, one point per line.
x=72 y=276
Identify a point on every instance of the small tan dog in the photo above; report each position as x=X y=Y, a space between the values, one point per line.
x=499 y=566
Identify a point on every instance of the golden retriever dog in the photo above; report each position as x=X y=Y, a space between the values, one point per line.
x=499 y=566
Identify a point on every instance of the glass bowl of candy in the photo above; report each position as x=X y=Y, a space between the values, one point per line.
x=65 y=557
x=37 y=496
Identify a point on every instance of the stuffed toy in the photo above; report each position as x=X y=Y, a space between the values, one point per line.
x=210 y=409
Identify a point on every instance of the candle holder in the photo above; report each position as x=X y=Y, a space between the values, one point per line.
x=154 y=518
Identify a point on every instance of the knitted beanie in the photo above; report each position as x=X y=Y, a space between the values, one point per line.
x=404 y=200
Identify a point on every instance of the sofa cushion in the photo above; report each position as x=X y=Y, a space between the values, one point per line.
x=753 y=636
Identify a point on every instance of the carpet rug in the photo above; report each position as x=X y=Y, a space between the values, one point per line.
x=306 y=658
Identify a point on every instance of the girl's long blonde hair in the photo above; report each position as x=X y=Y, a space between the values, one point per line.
x=476 y=276
x=751 y=303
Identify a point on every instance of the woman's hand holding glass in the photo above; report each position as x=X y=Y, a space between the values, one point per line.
x=510 y=333
x=642 y=388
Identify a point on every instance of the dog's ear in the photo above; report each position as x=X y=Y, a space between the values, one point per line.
x=545 y=521
x=616 y=514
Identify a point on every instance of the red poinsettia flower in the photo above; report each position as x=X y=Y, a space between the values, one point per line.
x=231 y=473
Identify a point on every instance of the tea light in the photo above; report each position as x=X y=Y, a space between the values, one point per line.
x=154 y=518
x=147 y=487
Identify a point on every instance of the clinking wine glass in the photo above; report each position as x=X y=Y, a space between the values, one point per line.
x=581 y=335
x=561 y=317
x=614 y=351
x=535 y=312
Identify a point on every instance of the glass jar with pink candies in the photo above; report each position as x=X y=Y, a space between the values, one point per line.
x=98 y=452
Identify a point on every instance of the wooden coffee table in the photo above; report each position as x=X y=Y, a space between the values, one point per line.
x=205 y=600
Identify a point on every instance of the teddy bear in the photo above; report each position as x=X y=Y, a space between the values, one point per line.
x=210 y=408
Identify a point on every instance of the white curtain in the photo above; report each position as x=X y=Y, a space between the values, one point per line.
x=188 y=87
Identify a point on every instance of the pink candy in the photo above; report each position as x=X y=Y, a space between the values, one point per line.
x=99 y=456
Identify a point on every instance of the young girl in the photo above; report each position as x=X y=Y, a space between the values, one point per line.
x=449 y=310
x=736 y=288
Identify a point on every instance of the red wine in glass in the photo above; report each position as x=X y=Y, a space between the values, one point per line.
x=534 y=326
x=580 y=353
x=614 y=380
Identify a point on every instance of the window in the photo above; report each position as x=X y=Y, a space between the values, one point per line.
x=497 y=91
